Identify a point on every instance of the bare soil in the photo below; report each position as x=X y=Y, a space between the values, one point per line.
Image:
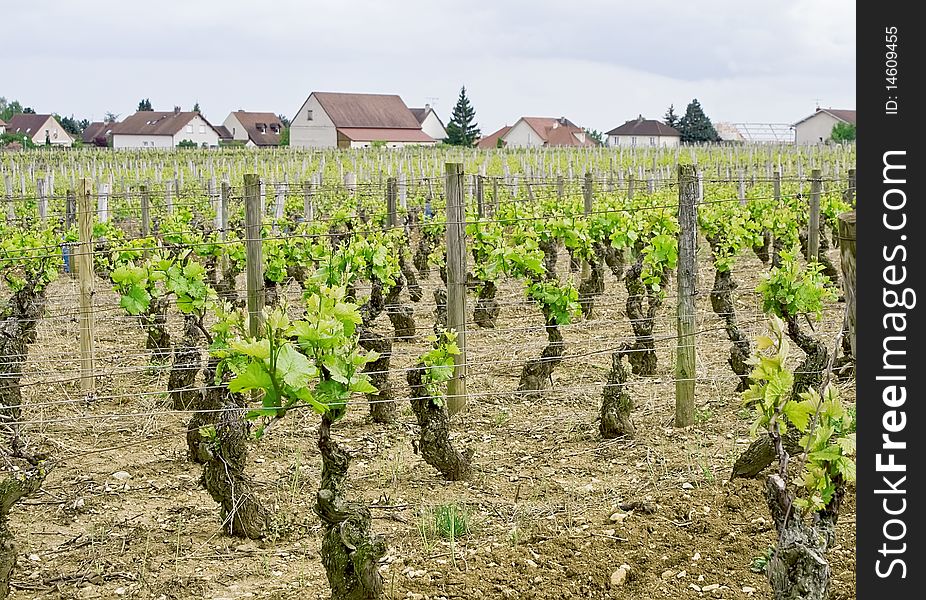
x=539 y=505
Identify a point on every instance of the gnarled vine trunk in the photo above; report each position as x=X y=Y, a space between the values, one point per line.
x=536 y=375
x=401 y=317
x=440 y=310
x=414 y=288
x=594 y=285
x=798 y=570
x=349 y=550
x=434 y=439
x=762 y=250
x=829 y=269
x=18 y=329
x=154 y=321
x=614 y=258
x=426 y=244
x=616 y=403
x=809 y=374
x=486 y=311
x=382 y=403
x=722 y=303
x=14 y=487
x=642 y=355
x=187 y=363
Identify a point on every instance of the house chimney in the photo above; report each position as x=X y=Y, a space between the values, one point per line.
x=427 y=105
x=177 y=109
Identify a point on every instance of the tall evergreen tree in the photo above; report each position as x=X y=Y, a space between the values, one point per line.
x=196 y=108
x=695 y=126
x=462 y=130
x=671 y=118
x=144 y=104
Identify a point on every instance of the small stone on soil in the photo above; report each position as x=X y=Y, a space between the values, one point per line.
x=687 y=486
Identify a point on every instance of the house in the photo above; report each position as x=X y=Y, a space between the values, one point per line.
x=153 y=129
x=41 y=129
x=98 y=133
x=818 y=127
x=430 y=122
x=225 y=136
x=494 y=140
x=642 y=132
x=341 y=120
x=2 y=126
x=529 y=132
x=254 y=128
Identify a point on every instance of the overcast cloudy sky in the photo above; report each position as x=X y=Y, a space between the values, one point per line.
x=598 y=62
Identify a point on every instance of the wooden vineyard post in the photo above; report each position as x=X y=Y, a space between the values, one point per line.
x=776 y=186
x=392 y=216
x=221 y=215
x=687 y=281
x=70 y=211
x=10 y=208
x=847 y=263
x=42 y=199
x=145 y=210
x=480 y=199
x=102 y=202
x=813 y=226
x=630 y=179
x=308 y=204
x=587 y=196
x=456 y=283
x=253 y=216
x=560 y=187
x=494 y=196
x=85 y=277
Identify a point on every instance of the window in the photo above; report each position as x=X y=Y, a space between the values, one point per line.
x=652 y=141
x=202 y=129
x=633 y=141
x=189 y=129
x=308 y=115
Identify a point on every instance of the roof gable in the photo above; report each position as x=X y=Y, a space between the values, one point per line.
x=844 y=115
x=263 y=128
x=646 y=127
x=149 y=122
x=367 y=110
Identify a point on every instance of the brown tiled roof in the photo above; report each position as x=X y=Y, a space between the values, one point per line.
x=847 y=116
x=384 y=134
x=263 y=128
x=491 y=141
x=97 y=129
x=568 y=135
x=542 y=124
x=641 y=126
x=149 y=122
x=367 y=110
x=224 y=133
x=27 y=123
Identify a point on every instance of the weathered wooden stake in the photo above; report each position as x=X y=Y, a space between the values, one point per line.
x=587 y=196
x=253 y=217
x=687 y=282
x=847 y=263
x=392 y=215
x=85 y=277
x=308 y=202
x=145 y=210
x=813 y=231
x=456 y=282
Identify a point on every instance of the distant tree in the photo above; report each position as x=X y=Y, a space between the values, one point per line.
x=144 y=104
x=83 y=124
x=843 y=132
x=462 y=129
x=285 y=121
x=695 y=126
x=110 y=117
x=8 y=109
x=196 y=107
x=499 y=142
x=70 y=124
x=671 y=118
x=284 y=136
x=28 y=110
x=595 y=135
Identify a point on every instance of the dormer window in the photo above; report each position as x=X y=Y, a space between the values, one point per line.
x=308 y=115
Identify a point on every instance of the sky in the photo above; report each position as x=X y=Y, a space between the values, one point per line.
x=597 y=62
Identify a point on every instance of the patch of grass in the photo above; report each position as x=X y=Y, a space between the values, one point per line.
x=501 y=417
x=760 y=563
x=703 y=415
x=444 y=521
